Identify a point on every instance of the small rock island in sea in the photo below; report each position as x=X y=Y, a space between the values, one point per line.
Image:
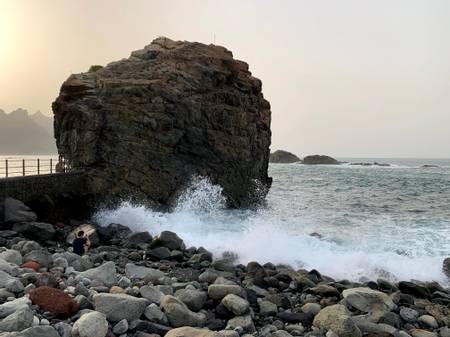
x=283 y=157
x=143 y=126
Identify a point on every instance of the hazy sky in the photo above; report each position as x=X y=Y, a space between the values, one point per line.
x=345 y=78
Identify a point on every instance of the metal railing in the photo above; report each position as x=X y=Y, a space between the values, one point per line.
x=15 y=167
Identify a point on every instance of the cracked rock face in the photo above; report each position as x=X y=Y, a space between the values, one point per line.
x=145 y=125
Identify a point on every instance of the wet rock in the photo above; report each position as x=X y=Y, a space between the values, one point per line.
x=36 y=230
x=120 y=306
x=446 y=267
x=337 y=318
x=92 y=324
x=168 y=239
x=5 y=278
x=134 y=240
x=227 y=119
x=54 y=301
x=413 y=289
x=179 y=314
x=63 y=329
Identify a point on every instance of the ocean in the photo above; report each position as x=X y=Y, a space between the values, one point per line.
x=347 y=221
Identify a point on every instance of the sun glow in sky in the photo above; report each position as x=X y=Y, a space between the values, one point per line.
x=344 y=78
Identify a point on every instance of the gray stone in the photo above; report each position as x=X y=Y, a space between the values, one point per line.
x=153 y=294
x=368 y=300
x=121 y=327
x=63 y=329
x=311 y=308
x=39 y=231
x=219 y=291
x=267 y=308
x=12 y=256
x=245 y=322
x=42 y=256
x=5 y=278
x=16 y=211
x=35 y=331
x=154 y=314
x=179 y=314
x=422 y=333
x=193 y=298
x=428 y=321
x=120 y=306
x=235 y=304
x=168 y=239
x=8 y=308
x=191 y=332
x=280 y=333
x=106 y=274
x=17 y=321
x=337 y=318
x=444 y=332
x=24 y=247
x=138 y=272
x=409 y=315
x=92 y=324
x=14 y=286
x=208 y=276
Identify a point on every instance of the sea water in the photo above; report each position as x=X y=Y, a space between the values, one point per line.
x=347 y=221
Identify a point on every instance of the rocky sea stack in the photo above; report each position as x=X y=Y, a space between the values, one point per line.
x=143 y=126
x=320 y=160
x=283 y=157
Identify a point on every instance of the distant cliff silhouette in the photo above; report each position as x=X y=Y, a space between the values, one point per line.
x=22 y=133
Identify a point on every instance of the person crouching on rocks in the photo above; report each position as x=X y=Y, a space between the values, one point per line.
x=81 y=244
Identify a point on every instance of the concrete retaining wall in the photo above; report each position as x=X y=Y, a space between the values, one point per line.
x=30 y=188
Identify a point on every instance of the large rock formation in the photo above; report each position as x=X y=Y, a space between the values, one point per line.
x=143 y=126
x=283 y=157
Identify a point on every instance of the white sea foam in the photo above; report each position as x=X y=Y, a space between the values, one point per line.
x=282 y=236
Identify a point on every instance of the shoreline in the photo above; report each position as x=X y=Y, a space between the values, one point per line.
x=133 y=284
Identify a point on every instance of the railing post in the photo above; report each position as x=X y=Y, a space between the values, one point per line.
x=51 y=165
x=38 y=167
x=6 y=167
x=23 y=167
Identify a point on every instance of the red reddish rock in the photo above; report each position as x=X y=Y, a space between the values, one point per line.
x=31 y=265
x=54 y=301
